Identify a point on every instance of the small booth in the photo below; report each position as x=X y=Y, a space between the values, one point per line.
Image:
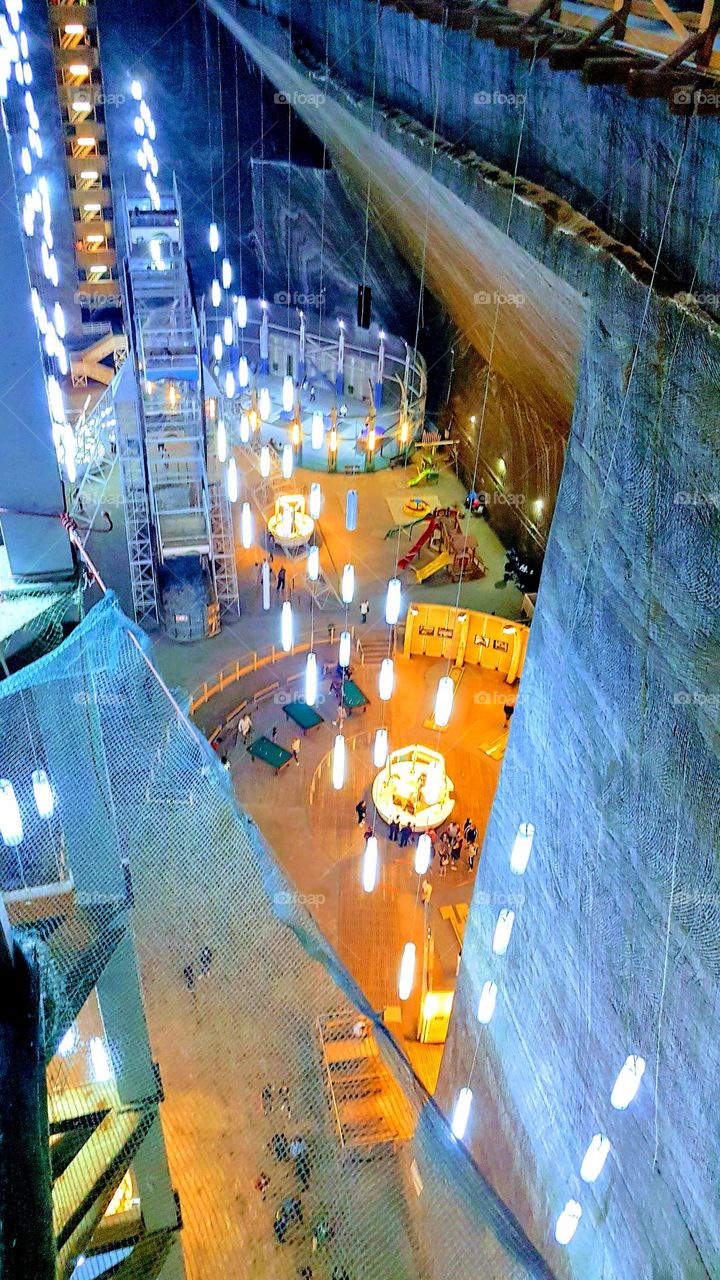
x=414 y=788
x=290 y=525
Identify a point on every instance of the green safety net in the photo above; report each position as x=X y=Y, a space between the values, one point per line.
x=264 y=1062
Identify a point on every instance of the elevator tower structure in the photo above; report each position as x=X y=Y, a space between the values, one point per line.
x=177 y=515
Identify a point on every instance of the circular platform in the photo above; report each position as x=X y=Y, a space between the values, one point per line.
x=290 y=525
x=414 y=788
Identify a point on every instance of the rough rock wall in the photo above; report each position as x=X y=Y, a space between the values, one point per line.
x=613 y=757
x=611 y=156
x=306 y=213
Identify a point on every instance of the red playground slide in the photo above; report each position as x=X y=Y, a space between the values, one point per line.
x=417 y=547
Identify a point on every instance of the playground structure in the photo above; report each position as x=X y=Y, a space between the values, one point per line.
x=454 y=550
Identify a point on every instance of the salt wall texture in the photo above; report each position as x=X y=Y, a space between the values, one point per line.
x=613 y=756
x=308 y=226
x=610 y=156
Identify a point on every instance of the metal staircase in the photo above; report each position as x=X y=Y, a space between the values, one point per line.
x=179 y=513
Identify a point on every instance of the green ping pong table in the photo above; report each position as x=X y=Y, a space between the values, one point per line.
x=270 y=753
x=353 y=696
x=305 y=717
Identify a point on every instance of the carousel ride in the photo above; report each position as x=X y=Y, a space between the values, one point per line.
x=413 y=788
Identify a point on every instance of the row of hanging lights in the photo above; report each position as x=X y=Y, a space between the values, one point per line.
x=11 y=823
x=16 y=77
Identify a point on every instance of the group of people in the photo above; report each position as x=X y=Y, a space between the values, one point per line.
x=449 y=844
x=292 y=1155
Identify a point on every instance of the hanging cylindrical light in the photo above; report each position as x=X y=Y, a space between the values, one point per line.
x=380 y=748
x=286 y=626
x=370 y=864
x=264 y=403
x=344 y=649
x=311 y=679
x=215 y=293
x=232 y=480
x=386 y=679
x=11 y=827
x=317 y=430
x=242 y=312
x=313 y=564
x=461 y=1113
x=243 y=372
x=217 y=346
x=443 y=701
x=332 y=440
x=347 y=586
x=423 y=854
x=404 y=431
x=522 y=847
x=487 y=1001
x=265 y=572
x=246 y=530
x=221 y=441
x=214 y=237
x=226 y=273
x=371 y=440
x=351 y=509
x=407 y=971
x=288 y=393
x=227 y=331
x=287 y=461
x=315 y=501
x=43 y=793
x=244 y=429
x=338 y=762
x=393 y=600
x=68 y=443
x=229 y=384
x=265 y=462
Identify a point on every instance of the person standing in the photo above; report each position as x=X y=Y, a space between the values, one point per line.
x=295 y=748
x=472 y=855
x=361 y=810
x=394 y=831
x=405 y=835
x=426 y=891
x=364 y=610
x=281 y=579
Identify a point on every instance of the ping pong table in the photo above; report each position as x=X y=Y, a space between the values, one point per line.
x=305 y=717
x=353 y=696
x=270 y=753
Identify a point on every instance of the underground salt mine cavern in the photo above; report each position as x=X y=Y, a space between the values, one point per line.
x=359 y=622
